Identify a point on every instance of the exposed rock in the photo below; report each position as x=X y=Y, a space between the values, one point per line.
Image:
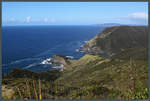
x=60 y=59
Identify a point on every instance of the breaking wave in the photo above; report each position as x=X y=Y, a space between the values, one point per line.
x=21 y=60
x=46 y=61
x=58 y=67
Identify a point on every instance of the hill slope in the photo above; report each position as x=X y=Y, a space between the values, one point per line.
x=114 y=39
x=117 y=74
x=123 y=75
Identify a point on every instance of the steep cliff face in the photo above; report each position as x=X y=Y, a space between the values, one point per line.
x=114 y=39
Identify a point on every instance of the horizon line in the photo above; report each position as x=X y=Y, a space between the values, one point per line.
x=76 y=25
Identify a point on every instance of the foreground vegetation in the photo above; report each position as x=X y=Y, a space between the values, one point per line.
x=122 y=76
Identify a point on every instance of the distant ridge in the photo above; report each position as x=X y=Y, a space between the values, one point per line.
x=108 y=24
x=117 y=24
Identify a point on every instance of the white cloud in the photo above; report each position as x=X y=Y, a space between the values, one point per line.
x=28 y=18
x=12 y=19
x=45 y=19
x=52 y=19
x=139 y=15
x=49 y=20
x=140 y=18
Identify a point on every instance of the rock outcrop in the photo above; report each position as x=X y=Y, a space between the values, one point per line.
x=60 y=59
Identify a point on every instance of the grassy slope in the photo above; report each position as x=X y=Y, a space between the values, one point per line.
x=92 y=77
x=113 y=39
x=122 y=76
x=116 y=73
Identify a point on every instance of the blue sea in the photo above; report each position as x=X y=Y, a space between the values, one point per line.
x=28 y=46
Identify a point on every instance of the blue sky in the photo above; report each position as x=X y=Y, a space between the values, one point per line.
x=74 y=13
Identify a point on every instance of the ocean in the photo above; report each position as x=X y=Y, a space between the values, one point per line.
x=29 y=46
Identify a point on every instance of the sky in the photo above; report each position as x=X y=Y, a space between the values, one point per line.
x=74 y=13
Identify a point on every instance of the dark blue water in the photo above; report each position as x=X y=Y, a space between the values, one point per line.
x=27 y=46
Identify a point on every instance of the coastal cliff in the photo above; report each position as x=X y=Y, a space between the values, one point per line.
x=121 y=75
x=114 y=39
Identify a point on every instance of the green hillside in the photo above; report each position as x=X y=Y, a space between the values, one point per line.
x=114 y=39
x=123 y=75
x=119 y=74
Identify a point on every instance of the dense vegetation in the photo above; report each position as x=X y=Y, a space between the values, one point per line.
x=114 y=39
x=121 y=76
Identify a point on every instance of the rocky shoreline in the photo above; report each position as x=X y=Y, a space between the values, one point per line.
x=60 y=61
x=92 y=75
